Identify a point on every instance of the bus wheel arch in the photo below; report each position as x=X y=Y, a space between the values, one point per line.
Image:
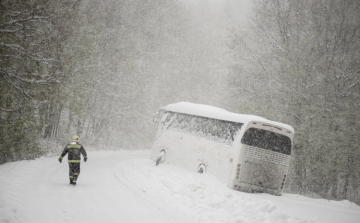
x=161 y=157
x=201 y=168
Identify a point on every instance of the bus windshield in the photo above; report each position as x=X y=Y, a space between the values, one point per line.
x=265 y=139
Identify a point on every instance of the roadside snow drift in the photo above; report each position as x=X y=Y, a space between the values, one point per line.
x=124 y=186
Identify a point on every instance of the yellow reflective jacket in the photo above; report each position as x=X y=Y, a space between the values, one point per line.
x=74 y=151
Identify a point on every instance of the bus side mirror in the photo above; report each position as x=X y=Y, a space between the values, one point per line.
x=156 y=117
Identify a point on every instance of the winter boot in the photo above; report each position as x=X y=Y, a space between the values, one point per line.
x=71 y=181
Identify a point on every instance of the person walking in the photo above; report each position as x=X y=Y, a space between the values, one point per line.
x=74 y=151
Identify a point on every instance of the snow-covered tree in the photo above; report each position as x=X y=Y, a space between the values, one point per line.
x=29 y=75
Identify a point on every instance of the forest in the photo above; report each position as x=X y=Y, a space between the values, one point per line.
x=103 y=69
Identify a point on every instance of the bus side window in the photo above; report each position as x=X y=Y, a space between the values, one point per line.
x=208 y=128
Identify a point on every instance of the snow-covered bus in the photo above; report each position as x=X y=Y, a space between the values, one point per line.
x=248 y=153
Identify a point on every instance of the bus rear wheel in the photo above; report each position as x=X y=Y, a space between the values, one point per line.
x=161 y=157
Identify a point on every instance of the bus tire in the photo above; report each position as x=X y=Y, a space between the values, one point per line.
x=202 y=168
x=161 y=157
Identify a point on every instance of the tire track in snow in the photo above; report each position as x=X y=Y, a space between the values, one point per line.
x=39 y=191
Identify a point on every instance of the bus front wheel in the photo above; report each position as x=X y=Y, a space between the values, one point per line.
x=202 y=168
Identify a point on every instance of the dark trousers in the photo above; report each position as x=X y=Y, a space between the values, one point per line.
x=74 y=171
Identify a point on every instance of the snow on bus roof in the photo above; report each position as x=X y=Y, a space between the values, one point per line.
x=219 y=113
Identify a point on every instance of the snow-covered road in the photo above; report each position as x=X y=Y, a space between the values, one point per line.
x=125 y=186
x=39 y=191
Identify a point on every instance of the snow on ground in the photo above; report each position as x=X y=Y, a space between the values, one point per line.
x=126 y=186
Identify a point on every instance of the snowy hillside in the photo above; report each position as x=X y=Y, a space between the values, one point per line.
x=124 y=186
